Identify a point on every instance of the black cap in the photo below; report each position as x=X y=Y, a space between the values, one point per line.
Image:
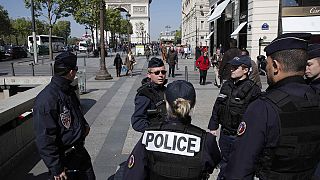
x=66 y=60
x=288 y=41
x=313 y=51
x=155 y=62
x=180 y=89
x=242 y=60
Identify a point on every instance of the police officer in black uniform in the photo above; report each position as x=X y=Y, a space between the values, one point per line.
x=280 y=135
x=60 y=126
x=313 y=66
x=175 y=149
x=149 y=101
x=231 y=103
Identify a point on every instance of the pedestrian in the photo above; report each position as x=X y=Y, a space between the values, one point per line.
x=175 y=149
x=313 y=66
x=203 y=64
x=60 y=126
x=118 y=64
x=215 y=65
x=254 y=74
x=231 y=103
x=147 y=52
x=149 y=101
x=225 y=67
x=164 y=52
x=261 y=62
x=198 y=52
x=279 y=137
x=130 y=61
x=172 y=61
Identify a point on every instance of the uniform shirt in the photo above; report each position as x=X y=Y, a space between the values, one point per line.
x=58 y=122
x=139 y=119
x=315 y=84
x=262 y=130
x=139 y=169
x=214 y=122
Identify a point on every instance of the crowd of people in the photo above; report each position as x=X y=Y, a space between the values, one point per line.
x=272 y=135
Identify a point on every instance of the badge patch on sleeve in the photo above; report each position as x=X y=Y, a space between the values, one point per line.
x=242 y=128
x=65 y=117
x=131 y=161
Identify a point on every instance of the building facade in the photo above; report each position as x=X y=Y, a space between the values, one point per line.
x=255 y=23
x=140 y=17
x=194 y=27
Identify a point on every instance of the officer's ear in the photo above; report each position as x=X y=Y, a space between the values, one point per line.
x=276 y=66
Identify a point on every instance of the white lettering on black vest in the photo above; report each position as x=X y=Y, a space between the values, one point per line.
x=171 y=142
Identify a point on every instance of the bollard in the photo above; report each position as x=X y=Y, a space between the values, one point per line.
x=84 y=62
x=32 y=66
x=186 y=73
x=12 y=68
x=51 y=69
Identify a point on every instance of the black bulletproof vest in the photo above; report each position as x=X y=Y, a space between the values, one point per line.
x=158 y=114
x=234 y=105
x=165 y=166
x=298 y=150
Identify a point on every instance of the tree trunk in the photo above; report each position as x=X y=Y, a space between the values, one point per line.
x=50 y=43
x=97 y=36
x=93 y=41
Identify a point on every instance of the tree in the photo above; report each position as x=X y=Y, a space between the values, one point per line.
x=63 y=29
x=177 y=36
x=22 y=29
x=42 y=27
x=52 y=10
x=113 y=23
x=125 y=26
x=5 y=25
x=87 y=13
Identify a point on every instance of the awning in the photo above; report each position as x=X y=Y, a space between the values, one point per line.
x=208 y=37
x=236 y=32
x=218 y=11
x=310 y=24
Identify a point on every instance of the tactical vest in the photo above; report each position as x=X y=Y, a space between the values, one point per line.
x=158 y=114
x=234 y=105
x=298 y=150
x=169 y=166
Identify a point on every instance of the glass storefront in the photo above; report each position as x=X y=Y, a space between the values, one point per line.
x=300 y=3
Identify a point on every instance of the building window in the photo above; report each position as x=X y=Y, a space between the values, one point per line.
x=202 y=37
x=295 y=3
x=201 y=25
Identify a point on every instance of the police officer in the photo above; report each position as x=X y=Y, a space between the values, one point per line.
x=280 y=135
x=175 y=149
x=60 y=126
x=149 y=101
x=231 y=103
x=313 y=66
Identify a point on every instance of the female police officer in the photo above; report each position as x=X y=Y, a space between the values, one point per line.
x=175 y=149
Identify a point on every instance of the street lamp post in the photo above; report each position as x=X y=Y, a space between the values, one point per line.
x=103 y=73
x=35 y=53
x=195 y=17
x=128 y=18
x=142 y=30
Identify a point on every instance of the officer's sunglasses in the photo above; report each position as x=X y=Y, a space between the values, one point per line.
x=158 y=72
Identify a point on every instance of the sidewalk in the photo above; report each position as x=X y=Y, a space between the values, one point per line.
x=108 y=106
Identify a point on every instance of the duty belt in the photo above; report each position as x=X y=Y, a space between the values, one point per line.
x=229 y=132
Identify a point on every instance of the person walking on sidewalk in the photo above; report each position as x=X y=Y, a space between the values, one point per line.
x=172 y=61
x=130 y=61
x=149 y=101
x=203 y=64
x=118 y=64
x=232 y=101
x=175 y=149
x=60 y=126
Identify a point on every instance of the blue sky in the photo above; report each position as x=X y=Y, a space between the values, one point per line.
x=162 y=13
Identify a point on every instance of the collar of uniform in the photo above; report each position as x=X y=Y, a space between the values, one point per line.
x=61 y=82
x=315 y=81
x=237 y=83
x=290 y=79
x=177 y=120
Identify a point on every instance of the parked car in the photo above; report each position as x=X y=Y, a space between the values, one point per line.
x=15 y=52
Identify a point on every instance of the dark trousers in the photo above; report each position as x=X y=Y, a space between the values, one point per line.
x=317 y=173
x=118 y=71
x=225 y=143
x=79 y=161
x=203 y=77
x=171 y=70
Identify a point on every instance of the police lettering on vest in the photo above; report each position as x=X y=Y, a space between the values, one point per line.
x=171 y=142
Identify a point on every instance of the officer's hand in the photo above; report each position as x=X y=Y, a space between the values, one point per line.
x=61 y=176
x=214 y=132
x=87 y=130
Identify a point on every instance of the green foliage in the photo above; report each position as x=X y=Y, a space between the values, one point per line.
x=86 y=12
x=22 y=28
x=5 y=26
x=125 y=26
x=113 y=20
x=62 y=28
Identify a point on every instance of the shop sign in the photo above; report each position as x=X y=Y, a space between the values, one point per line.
x=265 y=26
x=301 y=11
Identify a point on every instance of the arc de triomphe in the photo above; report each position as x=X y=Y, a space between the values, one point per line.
x=140 y=17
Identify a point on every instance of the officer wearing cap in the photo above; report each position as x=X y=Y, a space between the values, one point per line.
x=60 y=126
x=175 y=149
x=149 y=101
x=279 y=137
x=230 y=105
x=313 y=66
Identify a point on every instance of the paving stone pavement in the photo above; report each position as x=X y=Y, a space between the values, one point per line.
x=109 y=105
